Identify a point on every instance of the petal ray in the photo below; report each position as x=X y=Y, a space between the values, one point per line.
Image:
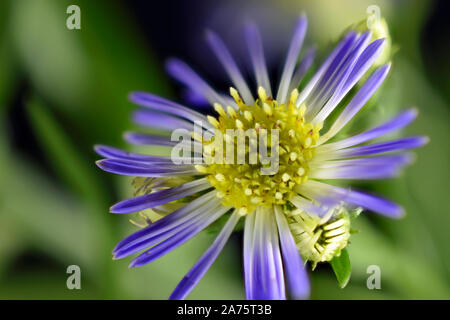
x=291 y=58
x=191 y=279
x=295 y=271
x=160 y=197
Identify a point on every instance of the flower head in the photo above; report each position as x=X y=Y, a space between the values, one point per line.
x=245 y=181
x=263 y=157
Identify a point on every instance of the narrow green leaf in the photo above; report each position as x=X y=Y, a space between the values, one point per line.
x=342 y=268
x=69 y=163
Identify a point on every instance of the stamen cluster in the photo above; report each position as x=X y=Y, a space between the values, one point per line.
x=244 y=185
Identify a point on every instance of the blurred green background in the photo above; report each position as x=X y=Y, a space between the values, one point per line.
x=62 y=91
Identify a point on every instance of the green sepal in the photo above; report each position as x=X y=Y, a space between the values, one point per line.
x=342 y=268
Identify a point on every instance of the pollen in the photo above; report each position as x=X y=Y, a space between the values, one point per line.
x=259 y=152
x=220 y=177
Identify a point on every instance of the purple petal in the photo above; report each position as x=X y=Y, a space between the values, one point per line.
x=166 y=230
x=396 y=160
x=160 y=121
x=373 y=172
x=302 y=68
x=157 y=237
x=146 y=139
x=159 y=197
x=183 y=73
x=266 y=284
x=291 y=58
x=178 y=239
x=365 y=60
x=227 y=61
x=256 y=51
x=331 y=89
x=396 y=123
x=114 y=153
x=141 y=169
x=365 y=168
x=176 y=218
x=276 y=255
x=249 y=231
x=382 y=147
x=296 y=274
x=330 y=67
x=160 y=104
x=191 y=279
x=152 y=140
x=194 y=98
x=330 y=63
x=317 y=190
x=358 y=101
x=308 y=206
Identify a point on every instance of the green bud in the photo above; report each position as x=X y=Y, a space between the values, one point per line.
x=321 y=239
x=380 y=30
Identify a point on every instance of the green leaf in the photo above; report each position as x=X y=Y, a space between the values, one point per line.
x=342 y=268
x=63 y=154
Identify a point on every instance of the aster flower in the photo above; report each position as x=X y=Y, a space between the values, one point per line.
x=291 y=215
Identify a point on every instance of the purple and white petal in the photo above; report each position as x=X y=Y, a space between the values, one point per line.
x=153 y=140
x=191 y=279
x=365 y=60
x=141 y=169
x=291 y=58
x=319 y=190
x=329 y=93
x=166 y=229
x=174 y=219
x=249 y=231
x=308 y=206
x=267 y=283
x=363 y=168
x=160 y=121
x=183 y=73
x=358 y=101
x=256 y=51
x=372 y=172
x=302 y=68
x=194 y=98
x=159 y=104
x=227 y=61
x=114 y=153
x=376 y=148
x=277 y=256
x=160 y=197
x=333 y=58
x=178 y=239
x=147 y=139
x=297 y=277
x=396 y=160
x=400 y=121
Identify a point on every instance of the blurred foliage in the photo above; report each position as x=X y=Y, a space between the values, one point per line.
x=62 y=91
